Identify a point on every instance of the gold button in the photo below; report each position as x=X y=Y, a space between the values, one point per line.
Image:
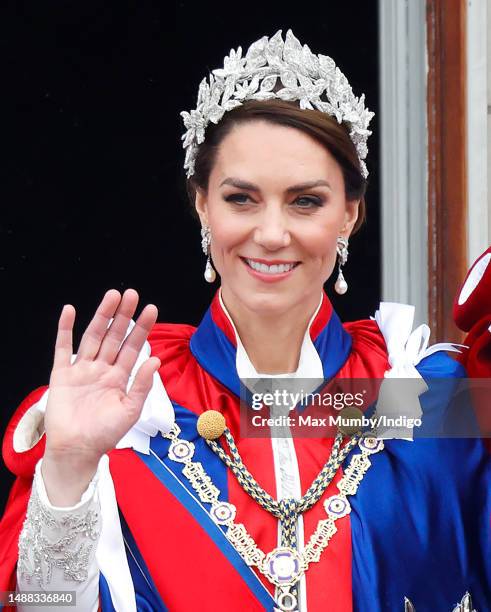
x=211 y=425
x=351 y=420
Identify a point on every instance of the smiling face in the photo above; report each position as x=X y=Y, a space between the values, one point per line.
x=275 y=206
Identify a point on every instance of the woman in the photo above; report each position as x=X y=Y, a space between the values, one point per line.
x=275 y=160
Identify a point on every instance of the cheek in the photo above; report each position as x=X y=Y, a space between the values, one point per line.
x=324 y=233
x=229 y=231
x=320 y=244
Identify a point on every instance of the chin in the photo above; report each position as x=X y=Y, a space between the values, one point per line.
x=267 y=303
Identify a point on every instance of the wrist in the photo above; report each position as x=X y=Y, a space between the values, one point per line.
x=66 y=478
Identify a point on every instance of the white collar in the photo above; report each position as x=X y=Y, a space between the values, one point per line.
x=309 y=364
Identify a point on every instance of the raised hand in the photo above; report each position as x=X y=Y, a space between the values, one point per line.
x=88 y=408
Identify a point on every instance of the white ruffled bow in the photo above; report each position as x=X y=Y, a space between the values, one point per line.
x=405 y=348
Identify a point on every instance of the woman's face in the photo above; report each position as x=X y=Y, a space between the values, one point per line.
x=275 y=206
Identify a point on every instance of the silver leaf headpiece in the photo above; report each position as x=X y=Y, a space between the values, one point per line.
x=314 y=80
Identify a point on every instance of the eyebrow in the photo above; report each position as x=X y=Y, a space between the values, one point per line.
x=240 y=184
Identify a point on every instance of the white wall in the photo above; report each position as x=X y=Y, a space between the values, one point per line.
x=478 y=127
x=403 y=158
x=488 y=55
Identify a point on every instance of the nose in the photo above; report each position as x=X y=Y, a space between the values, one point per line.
x=271 y=231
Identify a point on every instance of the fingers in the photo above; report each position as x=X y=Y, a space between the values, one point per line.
x=64 y=338
x=96 y=330
x=141 y=386
x=132 y=345
x=106 y=343
x=114 y=336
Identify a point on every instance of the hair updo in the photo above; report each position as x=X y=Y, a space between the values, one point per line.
x=320 y=126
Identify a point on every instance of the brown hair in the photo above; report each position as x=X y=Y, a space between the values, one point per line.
x=320 y=126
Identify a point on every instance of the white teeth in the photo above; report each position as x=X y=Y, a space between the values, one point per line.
x=274 y=269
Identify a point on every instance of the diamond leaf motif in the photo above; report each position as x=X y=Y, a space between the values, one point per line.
x=228 y=89
x=310 y=62
x=288 y=78
x=274 y=50
x=286 y=94
x=313 y=80
x=268 y=83
x=263 y=95
x=231 y=104
x=215 y=113
x=293 y=49
x=326 y=66
x=255 y=56
x=253 y=85
x=304 y=103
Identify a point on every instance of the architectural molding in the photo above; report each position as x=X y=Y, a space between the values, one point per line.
x=404 y=210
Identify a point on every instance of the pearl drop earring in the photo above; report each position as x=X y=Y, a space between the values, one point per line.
x=210 y=274
x=341 y=286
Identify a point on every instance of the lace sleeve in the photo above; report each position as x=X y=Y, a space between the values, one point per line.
x=57 y=546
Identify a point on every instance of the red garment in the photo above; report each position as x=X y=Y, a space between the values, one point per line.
x=472 y=313
x=191 y=386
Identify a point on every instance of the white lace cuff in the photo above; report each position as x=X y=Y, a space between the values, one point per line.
x=57 y=545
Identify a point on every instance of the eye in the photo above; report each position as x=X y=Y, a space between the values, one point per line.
x=237 y=198
x=306 y=202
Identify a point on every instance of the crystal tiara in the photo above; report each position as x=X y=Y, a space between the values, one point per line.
x=314 y=80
